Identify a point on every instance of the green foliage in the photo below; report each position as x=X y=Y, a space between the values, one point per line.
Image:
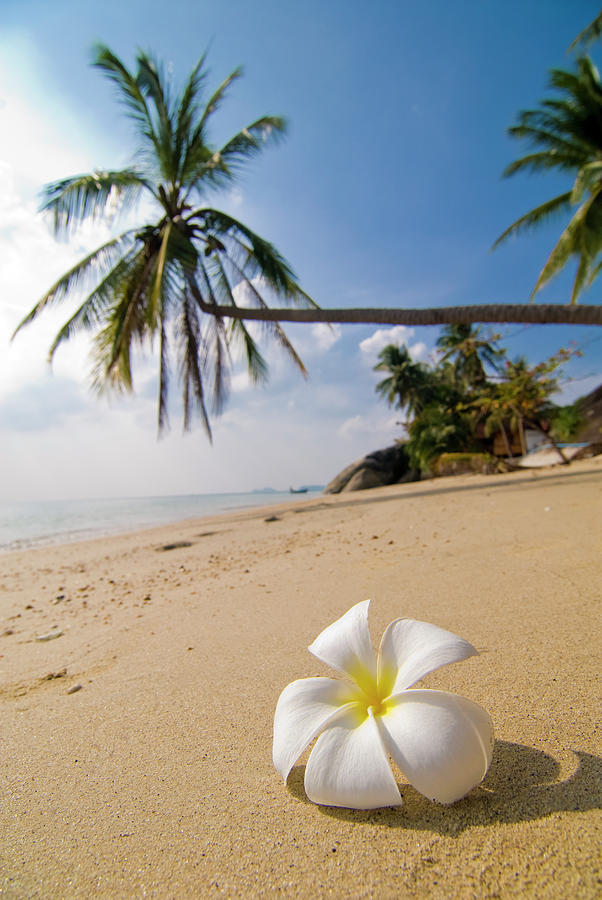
x=590 y=33
x=455 y=408
x=566 y=135
x=438 y=430
x=470 y=352
x=460 y=463
x=164 y=278
x=566 y=422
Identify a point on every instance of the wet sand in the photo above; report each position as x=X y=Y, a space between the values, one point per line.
x=136 y=747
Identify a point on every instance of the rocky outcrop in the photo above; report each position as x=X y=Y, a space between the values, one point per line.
x=377 y=469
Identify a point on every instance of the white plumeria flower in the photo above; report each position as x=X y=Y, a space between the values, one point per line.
x=441 y=742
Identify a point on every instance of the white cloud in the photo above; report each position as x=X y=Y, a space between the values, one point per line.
x=35 y=121
x=377 y=427
x=59 y=439
x=399 y=334
x=419 y=351
x=240 y=382
x=325 y=336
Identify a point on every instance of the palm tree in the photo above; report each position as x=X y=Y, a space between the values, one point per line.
x=179 y=277
x=522 y=398
x=167 y=278
x=407 y=384
x=438 y=430
x=566 y=134
x=471 y=352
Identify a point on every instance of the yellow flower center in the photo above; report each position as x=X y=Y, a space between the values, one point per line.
x=373 y=692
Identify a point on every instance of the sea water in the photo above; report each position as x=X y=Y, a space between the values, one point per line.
x=35 y=524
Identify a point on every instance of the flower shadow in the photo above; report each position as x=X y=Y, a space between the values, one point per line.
x=520 y=786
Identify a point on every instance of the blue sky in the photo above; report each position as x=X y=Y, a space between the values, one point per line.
x=387 y=192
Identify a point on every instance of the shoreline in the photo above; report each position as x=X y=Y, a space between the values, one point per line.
x=425 y=487
x=155 y=776
x=161 y=512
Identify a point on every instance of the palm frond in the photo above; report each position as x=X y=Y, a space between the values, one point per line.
x=251 y=140
x=199 y=162
x=186 y=115
x=91 y=266
x=238 y=333
x=92 y=311
x=546 y=159
x=588 y=179
x=127 y=320
x=273 y=328
x=217 y=358
x=217 y=168
x=71 y=201
x=153 y=311
x=217 y=98
x=155 y=88
x=536 y=216
x=568 y=244
x=589 y=34
x=193 y=388
x=128 y=89
x=261 y=258
x=257 y=367
x=163 y=418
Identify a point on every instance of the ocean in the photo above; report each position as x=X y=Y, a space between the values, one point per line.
x=34 y=524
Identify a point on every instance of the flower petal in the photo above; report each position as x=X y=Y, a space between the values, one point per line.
x=346 y=646
x=441 y=742
x=349 y=766
x=304 y=708
x=409 y=650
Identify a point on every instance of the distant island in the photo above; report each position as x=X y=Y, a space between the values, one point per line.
x=304 y=488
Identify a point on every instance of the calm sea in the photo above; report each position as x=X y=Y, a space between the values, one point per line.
x=32 y=524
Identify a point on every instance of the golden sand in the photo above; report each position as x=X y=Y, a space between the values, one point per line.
x=154 y=778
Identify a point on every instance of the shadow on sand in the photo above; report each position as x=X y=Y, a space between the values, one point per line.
x=520 y=786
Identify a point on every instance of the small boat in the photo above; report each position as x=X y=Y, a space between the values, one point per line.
x=298 y=490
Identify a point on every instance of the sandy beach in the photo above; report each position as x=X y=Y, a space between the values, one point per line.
x=136 y=747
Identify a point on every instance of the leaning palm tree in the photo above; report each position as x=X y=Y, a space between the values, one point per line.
x=566 y=134
x=166 y=278
x=193 y=275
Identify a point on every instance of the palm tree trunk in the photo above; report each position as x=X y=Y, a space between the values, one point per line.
x=535 y=313
x=506 y=441
x=548 y=436
x=521 y=434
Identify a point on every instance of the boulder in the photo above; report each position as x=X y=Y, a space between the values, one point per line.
x=378 y=468
x=364 y=479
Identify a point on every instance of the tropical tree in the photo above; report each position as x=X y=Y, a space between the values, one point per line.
x=470 y=352
x=179 y=277
x=438 y=430
x=522 y=398
x=566 y=135
x=566 y=422
x=167 y=277
x=407 y=381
